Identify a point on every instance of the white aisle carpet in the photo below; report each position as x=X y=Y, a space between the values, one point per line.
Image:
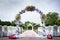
x=29 y=33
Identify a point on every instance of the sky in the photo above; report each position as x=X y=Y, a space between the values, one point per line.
x=9 y=9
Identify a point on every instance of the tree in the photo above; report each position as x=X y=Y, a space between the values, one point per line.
x=51 y=18
x=13 y=23
x=58 y=22
x=36 y=26
x=8 y=23
x=0 y=22
x=26 y=23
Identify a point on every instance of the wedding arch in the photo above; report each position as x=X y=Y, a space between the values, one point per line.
x=31 y=9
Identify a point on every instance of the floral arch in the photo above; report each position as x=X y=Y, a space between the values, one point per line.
x=31 y=9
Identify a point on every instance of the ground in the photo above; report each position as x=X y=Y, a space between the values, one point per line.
x=54 y=38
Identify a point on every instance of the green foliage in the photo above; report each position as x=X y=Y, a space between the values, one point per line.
x=13 y=23
x=5 y=23
x=23 y=25
x=58 y=22
x=27 y=23
x=51 y=18
x=35 y=25
x=8 y=23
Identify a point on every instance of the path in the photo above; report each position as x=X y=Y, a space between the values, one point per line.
x=29 y=33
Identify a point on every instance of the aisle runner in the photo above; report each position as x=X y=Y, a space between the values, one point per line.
x=29 y=33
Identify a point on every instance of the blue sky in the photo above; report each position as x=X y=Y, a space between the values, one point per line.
x=9 y=9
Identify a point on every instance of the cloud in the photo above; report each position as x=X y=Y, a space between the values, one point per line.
x=9 y=8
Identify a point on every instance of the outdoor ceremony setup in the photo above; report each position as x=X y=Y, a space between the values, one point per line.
x=17 y=32
x=31 y=9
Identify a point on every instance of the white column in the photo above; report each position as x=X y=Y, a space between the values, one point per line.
x=17 y=25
